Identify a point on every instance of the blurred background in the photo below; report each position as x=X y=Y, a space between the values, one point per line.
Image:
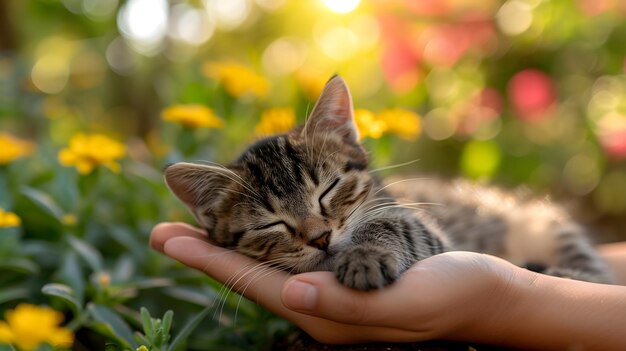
x=97 y=95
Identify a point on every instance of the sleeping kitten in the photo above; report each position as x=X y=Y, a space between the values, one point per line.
x=305 y=201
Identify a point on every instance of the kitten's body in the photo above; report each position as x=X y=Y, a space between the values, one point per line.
x=305 y=201
x=517 y=227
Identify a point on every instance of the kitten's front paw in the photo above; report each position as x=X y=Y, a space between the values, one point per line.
x=366 y=267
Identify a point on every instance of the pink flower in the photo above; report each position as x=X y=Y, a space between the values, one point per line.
x=532 y=94
x=445 y=45
x=400 y=61
x=594 y=7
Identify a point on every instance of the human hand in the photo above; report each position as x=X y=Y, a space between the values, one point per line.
x=439 y=297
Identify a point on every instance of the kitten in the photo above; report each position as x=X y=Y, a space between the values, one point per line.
x=305 y=201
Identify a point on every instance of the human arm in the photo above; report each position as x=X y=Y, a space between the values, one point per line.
x=457 y=296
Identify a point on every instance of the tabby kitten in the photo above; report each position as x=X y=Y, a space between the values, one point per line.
x=305 y=201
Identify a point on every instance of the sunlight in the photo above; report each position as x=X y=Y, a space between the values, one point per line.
x=342 y=6
x=144 y=23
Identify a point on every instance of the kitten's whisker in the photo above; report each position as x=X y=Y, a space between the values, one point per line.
x=398 y=182
x=375 y=212
x=260 y=273
x=229 y=172
x=258 y=276
x=327 y=157
x=236 y=192
x=394 y=166
x=317 y=163
x=360 y=204
x=226 y=289
x=230 y=284
x=382 y=204
x=305 y=133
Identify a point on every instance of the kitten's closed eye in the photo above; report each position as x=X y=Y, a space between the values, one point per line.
x=323 y=208
x=269 y=225
x=274 y=224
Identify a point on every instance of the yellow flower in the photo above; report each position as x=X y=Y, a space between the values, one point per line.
x=143 y=348
x=237 y=79
x=9 y=219
x=192 y=116
x=12 y=148
x=69 y=219
x=104 y=279
x=28 y=326
x=369 y=124
x=404 y=123
x=87 y=151
x=275 y=120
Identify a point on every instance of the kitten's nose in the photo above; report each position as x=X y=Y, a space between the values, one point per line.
x=321 y=241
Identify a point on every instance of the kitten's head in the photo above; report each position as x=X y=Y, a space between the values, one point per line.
x=288 y=198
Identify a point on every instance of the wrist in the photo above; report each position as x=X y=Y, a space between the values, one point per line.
x=487 y=317
x=536 y=311
x=495 y=288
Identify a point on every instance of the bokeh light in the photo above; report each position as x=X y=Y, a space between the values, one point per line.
x=532 y=94
x=342 y=6
x=514 y=17
x=144 y=24
x=284 y=56
x=228 y=14
x=190 y=24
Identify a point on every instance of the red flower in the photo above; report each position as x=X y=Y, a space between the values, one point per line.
x=532 y=94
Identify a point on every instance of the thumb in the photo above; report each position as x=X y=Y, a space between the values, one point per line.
x=320 y=294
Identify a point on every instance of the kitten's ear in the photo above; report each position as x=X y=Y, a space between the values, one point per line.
x=333 y=112
x=200 y=187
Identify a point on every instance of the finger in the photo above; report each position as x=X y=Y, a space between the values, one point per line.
x=321 y=295
x=239 y=272
x=162 y=232
x=223 y=265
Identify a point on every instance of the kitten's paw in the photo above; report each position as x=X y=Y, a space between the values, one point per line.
x=366 y=267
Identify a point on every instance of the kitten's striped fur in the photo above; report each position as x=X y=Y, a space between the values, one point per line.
x=306 y=201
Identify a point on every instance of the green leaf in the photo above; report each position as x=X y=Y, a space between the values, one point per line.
x=129 y=240
x=114 y=323
x=146 y=322
x=5 y=193
x=20 y=265
x=40 y=215
x=167 y=321
x=9 y=241
x=10 y=294
x=188 y=328
x=65 y=188
x=71 y=274
x=43 y=201
x=150 y=283
x=63 y=292
x=124 y=269
x=141 y=339
x=87 y=252
x=191 y=295
x=111 y=347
